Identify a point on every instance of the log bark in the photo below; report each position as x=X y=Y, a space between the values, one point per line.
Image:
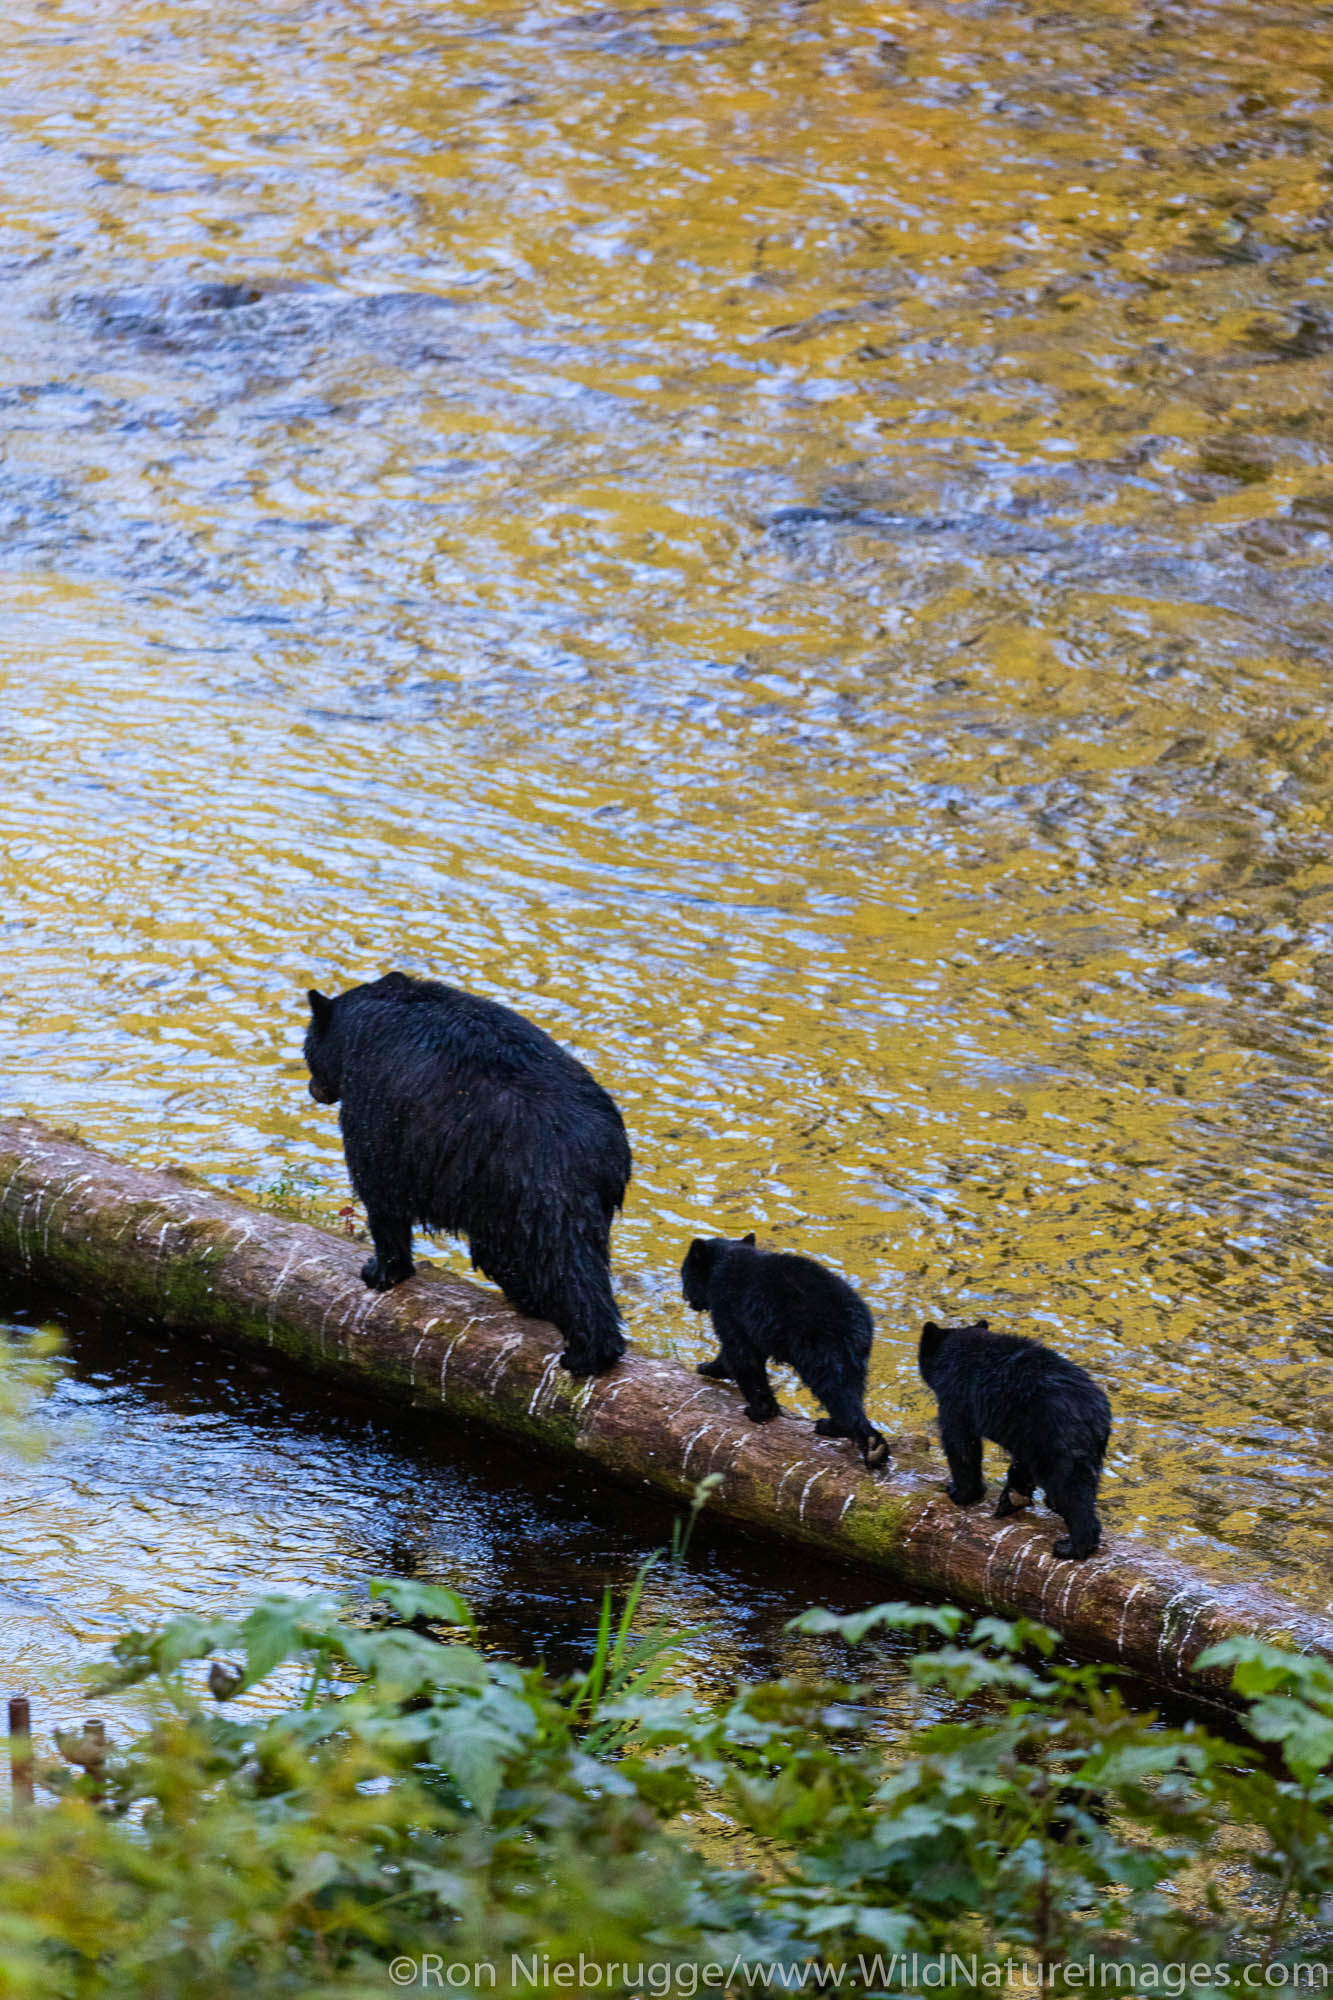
x=166 y=1248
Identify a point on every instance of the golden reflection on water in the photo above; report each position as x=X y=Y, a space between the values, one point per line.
x=789 y=542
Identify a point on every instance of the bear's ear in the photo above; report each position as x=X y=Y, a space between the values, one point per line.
x=700 y=1258
x=748 y=1239
x=982 y=1326
x=930 y=1331
x=321 y=1008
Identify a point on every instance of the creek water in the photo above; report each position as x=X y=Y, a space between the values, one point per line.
x=791 y=543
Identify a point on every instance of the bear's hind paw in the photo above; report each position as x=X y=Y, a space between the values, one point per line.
x=577 y=1361
x=875 y=1451
x=761 y=1413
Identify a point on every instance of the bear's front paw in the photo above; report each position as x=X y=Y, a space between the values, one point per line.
x=761 y=1413
x=1070 y=1551
x=826 y=1428
x=382 y=1277
x=1011 y=1503
x=965 y=1496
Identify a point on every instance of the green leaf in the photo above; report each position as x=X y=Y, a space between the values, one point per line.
x=894 y=1929
x=1134 y=1762
x=474 y=1756
x=403 y=1663
x=422 y=1600
x=1259 y=1668
x=276 y=1630
x=966 y=1672
x=894 y=1617
x=1012 y=1635
x=1305 y=1735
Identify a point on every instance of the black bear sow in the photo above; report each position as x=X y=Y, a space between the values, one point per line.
x=769 y=1305
x=1046 y=1412
x=459 y=1115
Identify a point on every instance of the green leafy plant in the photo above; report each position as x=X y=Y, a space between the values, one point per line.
x=324 y=1790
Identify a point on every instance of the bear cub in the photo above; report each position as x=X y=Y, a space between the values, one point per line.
x=773 y=1306
x=1046 y=1412
x=458 y=1114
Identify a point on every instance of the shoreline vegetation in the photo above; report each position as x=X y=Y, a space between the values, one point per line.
x=336 y=1799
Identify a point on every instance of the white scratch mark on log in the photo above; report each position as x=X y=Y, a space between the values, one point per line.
x=998 y=1542
x=797 y=1465
x=1078 y=1571
x=66 y=1193
x=295 y=1262
x=545 y=1381
x=1026 y=1547
x=914 y=1524
x=362 y=1301
x=611 y=1390
x=963 y=1525
x=740 y=1438
x=725 y=1441
x=503 y=1359
x=691 y=1442
x=370 y=1303
x=1130 y=1595
x=457 y=1341
x=805 y=1492
x=31 y=1201
x=1046 y=1582
x=687 y=1404
x=159 y=1247
x=335 y=1305
x=1199 y=1611
x=1164 y=1624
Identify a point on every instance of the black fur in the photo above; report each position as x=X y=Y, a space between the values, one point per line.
x=1046 y=1412
x=459 y=1115
x=772 y=1306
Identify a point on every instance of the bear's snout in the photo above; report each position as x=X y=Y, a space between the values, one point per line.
x=320 y=1094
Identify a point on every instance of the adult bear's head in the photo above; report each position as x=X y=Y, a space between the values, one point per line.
x=323 y=1049
x=325 y=1045
x=696 y=1273
x=332 y=1019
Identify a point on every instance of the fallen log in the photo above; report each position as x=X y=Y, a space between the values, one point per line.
x=164 y=1247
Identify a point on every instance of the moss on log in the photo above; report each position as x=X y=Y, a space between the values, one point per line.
x=166 y=1248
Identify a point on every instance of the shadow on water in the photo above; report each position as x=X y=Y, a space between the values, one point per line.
x=177 y=1476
